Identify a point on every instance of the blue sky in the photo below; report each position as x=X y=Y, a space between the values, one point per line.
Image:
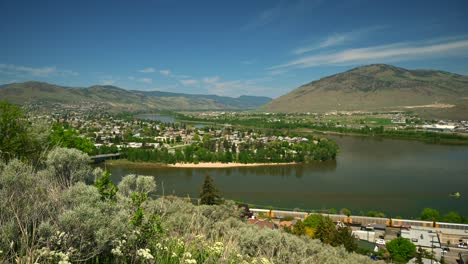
x=224 y=47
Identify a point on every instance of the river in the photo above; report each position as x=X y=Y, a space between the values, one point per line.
x=397 y=177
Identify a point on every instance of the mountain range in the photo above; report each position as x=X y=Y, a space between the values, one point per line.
x=376 y=87
x=119 y=99
x=381 y=87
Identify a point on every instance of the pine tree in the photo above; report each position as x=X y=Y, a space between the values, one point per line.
x=209 y=194
x=326 y=230
x=344 y=237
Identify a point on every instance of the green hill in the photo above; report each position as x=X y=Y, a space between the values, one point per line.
x=120 y=99
x=381 y=87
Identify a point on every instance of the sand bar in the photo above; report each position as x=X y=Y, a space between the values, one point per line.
x=193 y=165
x=224 y=165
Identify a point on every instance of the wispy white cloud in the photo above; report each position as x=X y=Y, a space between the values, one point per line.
x=147 y=70
x=284 y=10
x=333 y=40
x=10 y=69
x=277 y=72
x=189 y=82
x=337 y=39
x=385 y=53
x=165 y=72
x=8 y=81
x=180 y=76
x=265 y=17
x=145 y=80
x=108 y=79
x=235 y=88
x=107 y=82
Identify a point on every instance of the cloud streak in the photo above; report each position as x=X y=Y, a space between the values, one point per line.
x=10 y=69
x=333 y=40
x=283 y=11
x=235 y=88
x=107 y=82
x=337 y=39
x=145 y=80
x=147 y=70
x=165 y=72
x=386 y=53
x=189 y=82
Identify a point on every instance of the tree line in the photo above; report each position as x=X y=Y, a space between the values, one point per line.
x=209 y=150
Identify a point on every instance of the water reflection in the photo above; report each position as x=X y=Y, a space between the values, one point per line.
x=395 y=176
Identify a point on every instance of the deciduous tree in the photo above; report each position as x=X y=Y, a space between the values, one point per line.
x=401 y=249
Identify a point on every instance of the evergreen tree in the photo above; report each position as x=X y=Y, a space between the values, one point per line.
x=344 y=237
x=325 y=230
x=209 y=194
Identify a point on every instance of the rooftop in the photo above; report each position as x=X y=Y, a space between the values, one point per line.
x=421 y=238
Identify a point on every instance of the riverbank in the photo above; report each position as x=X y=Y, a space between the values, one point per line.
x=442 y=138
x=225 y=165
x=207 y=165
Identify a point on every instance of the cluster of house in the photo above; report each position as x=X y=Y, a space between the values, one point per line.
x=106 y=130
x=447 y=126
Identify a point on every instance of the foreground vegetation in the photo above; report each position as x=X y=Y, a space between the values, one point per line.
x=56 y=209
x=51 y=215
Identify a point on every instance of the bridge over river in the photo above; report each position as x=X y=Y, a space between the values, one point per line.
x=104 y=157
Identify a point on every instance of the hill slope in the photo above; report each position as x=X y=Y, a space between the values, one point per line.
x=120 y=99
x=380 y=87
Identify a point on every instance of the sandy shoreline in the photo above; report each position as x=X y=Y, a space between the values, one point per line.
x=224 y=165
x=207 y=165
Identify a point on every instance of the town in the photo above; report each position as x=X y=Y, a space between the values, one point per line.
x=140 y=139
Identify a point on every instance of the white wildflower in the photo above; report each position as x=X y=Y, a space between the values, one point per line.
x=180 y=243
x=145 y=253
x=190 y=261
x=116 y=251
x=217 y=248
x=187 y=255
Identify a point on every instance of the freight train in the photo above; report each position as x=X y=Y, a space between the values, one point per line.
x=364 y=220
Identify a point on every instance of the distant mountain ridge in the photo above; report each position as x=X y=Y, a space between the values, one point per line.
x=381 y=87
x=120 y=99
